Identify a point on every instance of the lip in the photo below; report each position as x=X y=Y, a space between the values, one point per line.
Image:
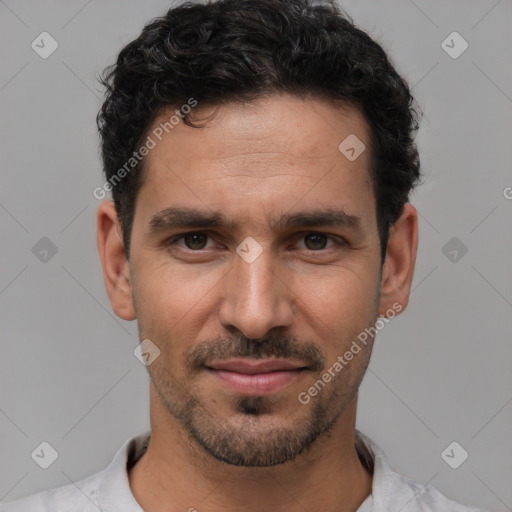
x=256 y=377
x=255 y=366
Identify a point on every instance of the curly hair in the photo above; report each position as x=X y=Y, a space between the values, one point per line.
x=240 y=50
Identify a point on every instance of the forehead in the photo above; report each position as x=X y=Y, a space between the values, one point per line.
x=259 y=157
x=296 y=127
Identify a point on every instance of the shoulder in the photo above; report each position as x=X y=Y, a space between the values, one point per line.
x=92 y=493
x=393 y=491
x=417 y=497
x=81 y=495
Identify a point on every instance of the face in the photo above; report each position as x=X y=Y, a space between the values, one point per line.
x=254 y=265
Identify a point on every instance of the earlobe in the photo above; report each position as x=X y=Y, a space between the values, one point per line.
x=116 y=268
x=398 y=269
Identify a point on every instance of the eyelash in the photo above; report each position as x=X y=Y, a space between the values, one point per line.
x=339 y=241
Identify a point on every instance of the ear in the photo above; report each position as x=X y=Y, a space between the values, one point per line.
x=116 y=268
x=400 y=259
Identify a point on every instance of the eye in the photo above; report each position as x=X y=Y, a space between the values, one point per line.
x=198 y=240
x=194 y=241
x=318 y=241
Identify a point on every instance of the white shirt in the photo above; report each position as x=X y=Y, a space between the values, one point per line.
x=109 y=489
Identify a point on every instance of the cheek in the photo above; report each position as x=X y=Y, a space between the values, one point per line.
x=338 y=308
x=339 y=296
x=169 y=299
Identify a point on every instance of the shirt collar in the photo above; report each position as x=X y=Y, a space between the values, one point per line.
x=371 y=455
x=114 y=492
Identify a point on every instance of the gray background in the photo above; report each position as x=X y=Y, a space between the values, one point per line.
x=439 y=373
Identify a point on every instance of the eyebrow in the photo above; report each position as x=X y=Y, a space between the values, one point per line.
x=193 y=218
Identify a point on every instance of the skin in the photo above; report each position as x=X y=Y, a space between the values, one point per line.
x=255 y=162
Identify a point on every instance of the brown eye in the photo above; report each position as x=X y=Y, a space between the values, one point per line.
x=195 y=240
x=316 y=241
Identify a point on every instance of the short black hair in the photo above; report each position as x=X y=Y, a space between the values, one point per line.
x=240 y=50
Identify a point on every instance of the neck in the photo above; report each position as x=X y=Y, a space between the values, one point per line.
x=175 y=474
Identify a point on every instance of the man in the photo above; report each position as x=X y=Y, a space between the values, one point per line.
x=260 y=156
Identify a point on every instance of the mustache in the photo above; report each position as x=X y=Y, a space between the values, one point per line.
x=273 y=345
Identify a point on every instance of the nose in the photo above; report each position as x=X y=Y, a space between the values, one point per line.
x=256 y=298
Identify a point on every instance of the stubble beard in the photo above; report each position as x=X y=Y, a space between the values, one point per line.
x=248 y=441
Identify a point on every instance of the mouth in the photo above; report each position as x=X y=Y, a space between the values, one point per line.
x=260 y=377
